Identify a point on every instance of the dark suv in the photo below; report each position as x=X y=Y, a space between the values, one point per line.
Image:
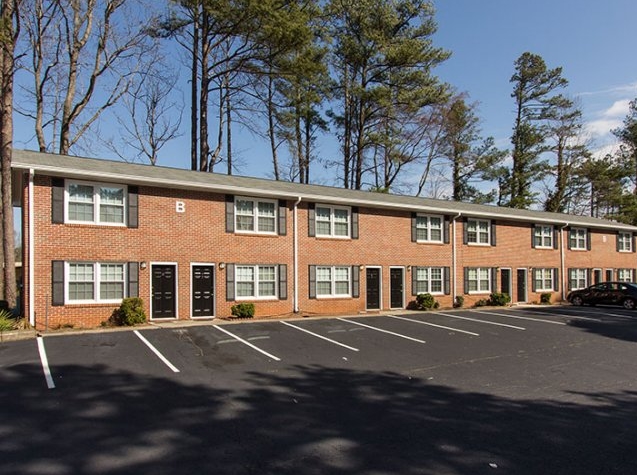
x=606 y=293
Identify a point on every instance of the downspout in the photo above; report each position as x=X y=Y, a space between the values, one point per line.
x=454 y=258
x=296 y=255
x=31 y=250
x=562 y=261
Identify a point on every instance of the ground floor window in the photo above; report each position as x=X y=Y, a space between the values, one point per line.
x=254 y=281
x=543 y=279
x=429 y=280
x=577 y=278
x=625 y=275
x=333 y=281
x=95 y=282
x=478 y=279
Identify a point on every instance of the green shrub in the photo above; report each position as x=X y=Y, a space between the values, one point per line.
x=243 y=310
x=481 y=303
x=459 y=301
x=7 y=322
x=545 y=297
x=498 y=299
x=426 y=302
x=131 y=312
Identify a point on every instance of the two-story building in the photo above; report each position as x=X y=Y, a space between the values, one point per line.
x=193 y=244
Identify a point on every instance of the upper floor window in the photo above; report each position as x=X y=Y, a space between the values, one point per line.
x=429 y=228
x=332 y=221
x=478 y=231
x=255 y=216
x=578 y=238
x=95 y=203
x=543 y=237
x=95 y=282
x=625 y=242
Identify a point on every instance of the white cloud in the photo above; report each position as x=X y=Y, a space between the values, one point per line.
x=619 y=109
x=608 y=119
x=630 y=88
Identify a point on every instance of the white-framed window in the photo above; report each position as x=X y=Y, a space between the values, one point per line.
x=625 y=242
x=544 y=280
x=625 y=275
x=479 y=279
x=543 y=237
x=255 y=282
x=577 y=279
x=577 y=238
x=333 y=281
x=95 y=203
x=429 y=228
x=255 y=216
x=478 y=231
x=332 y=221
x=89 y=282
x=429 y=280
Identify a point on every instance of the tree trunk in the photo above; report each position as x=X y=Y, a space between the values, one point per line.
x=193 y=89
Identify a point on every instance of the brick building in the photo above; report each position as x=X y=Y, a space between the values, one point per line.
x=194 y=244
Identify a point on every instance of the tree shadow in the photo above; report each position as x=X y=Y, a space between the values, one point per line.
x=302 y=420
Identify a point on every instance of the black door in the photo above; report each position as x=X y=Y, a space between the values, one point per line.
x=373 y=288
x=521 y=285
x=505 y=281
x=396 y=288
x=203 y=291
x=597 y=276
x=163 y=291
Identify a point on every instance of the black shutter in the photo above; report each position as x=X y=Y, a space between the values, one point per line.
x=445 y=230
x=414 y=229
x=312 y=278
x=533 y=280
x=588 y=239
x=493 y=242
x=283 y=229
x=133 y=280
x=617 y=238
x=311 y=220
x=446 y=272
x=494 y=279
x=356 y=281
x=283 y=281
x=466 y=280
x=57 y=200
x=533 y=229
x=632 y=243
x=568 y=238
x=465 y=234
x=556 y=236
x=569 y=280
x=229 y=213
x=414 y=280
x=229 y=282
x=57 y=280
x=355 y=222
x=556 y=279
x=133 y=207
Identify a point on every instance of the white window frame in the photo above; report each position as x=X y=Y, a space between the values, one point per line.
x=429 y=280
x=423 y=224
x=625 y=275
x=542 y=233
x=480 y=289
x=96 y=282
x=473 y=226
x=625 y=242
x=256 y=294
x=332 y=221
x=578 y=278
x=544 y=279
x=577 y=239
x=255 y=215
x=96 y=202
x=333 y=282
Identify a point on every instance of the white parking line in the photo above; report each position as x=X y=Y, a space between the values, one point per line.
x=566 y=315
x=45 y=364
x=593 y=312
x=156 y=351
x=383 y=331
x=434 y=325
x=518 y=317
x=245 y=342
x=480 y=321
x=320 y=336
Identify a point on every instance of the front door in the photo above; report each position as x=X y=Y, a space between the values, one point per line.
x=396 y=298
x=373 y=288
x=521 y=285
x=163 y=291
x=203 y=302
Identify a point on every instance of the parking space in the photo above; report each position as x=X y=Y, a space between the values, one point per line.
x=445 y=392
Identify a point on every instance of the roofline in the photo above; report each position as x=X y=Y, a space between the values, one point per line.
x=459 y=211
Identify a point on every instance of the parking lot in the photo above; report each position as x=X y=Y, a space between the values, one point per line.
x=527 y=390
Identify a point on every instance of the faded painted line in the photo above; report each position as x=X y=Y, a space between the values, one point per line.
x=488 y=322
x=245 y=342
x=383 y=331
x=568 y=315
x=156 y=351
x=320 y=336
x=519 y=317
x=434 y=325
x=45 y=364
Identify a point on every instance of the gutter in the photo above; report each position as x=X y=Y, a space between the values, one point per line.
x=562 y=261
x=454 y=258
x=295 y=270
x=31 y=256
